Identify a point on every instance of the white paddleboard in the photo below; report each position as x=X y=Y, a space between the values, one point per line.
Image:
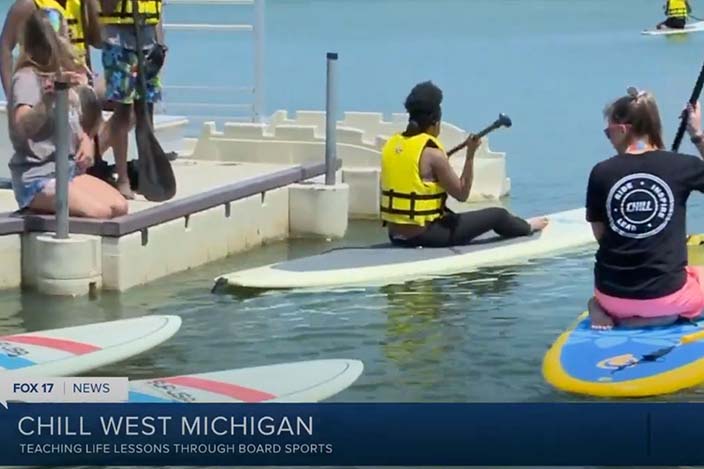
x=74 y=350
x=385 y=264
x=689 y=28
x=308 y=381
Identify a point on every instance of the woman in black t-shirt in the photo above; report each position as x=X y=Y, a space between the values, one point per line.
x=636 y=203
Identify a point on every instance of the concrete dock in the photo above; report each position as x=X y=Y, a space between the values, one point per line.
x=237 y=189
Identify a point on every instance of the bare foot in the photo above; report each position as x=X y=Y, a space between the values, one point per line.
x=538 y=223
x=600 y=320
x=125 y=190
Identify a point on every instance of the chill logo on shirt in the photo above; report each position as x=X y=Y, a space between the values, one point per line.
x=640 y=205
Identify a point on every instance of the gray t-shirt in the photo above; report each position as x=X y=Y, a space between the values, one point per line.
x=34 y=158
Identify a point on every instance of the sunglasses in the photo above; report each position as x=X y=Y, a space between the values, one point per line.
x=623 y=127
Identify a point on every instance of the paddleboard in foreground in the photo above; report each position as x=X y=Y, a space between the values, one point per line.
x=610 y=363
x=307 y=381
x=689 y=28
x=74 y=350
x=385 y=263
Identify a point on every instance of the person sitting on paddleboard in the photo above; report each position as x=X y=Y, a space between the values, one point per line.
x=416 y=178
x=677 y=12
x=45 y=56
x=636 y=204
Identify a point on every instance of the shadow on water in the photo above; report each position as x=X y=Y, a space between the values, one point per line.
x=418 y=319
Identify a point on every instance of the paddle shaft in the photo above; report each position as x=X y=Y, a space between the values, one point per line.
x=696 y=92
x=141 y=80
x=482 y=133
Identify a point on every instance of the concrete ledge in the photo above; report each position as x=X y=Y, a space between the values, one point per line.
x=185 y=243
x=179 y=208
x=11 y=265
x=319 y=210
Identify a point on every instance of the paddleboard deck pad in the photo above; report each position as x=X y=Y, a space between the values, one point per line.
x=601 y=363
x=308 y=381
x=694 y=27
x=73 y=350
x=386 y=263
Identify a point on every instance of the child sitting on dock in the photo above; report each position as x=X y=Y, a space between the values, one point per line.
x=677 y=12
x=637 y=206
x=416 y=178
x=46 y=56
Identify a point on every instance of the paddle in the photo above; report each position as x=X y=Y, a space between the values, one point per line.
x=653 y=356
x=502 y=121
x=685 y=114
x=156 y=180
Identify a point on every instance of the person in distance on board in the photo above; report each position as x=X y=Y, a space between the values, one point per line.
x=677 y=12
x=416 y=178
x=637 y=205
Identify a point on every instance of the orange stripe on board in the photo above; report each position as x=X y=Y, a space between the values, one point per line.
x=70 y=346
x=240 y=393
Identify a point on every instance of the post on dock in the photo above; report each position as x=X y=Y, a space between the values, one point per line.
x=61 y=141
x=59 y=263
x=331 y=120
x=259 y=14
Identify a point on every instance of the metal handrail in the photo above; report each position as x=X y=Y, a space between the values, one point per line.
x=208 y=27
x=257 y=108
x=210 y=2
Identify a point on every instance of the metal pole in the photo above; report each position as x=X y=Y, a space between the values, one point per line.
x=330 y=120
x=259 y=9
x=61 y=141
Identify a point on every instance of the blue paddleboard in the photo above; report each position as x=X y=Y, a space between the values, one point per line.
x=603 y=363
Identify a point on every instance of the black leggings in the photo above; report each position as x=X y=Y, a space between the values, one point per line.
x=675 y=23
x=455 y=229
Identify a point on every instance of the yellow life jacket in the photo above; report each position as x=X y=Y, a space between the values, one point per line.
x=72 y=15
x=151 y=9
x=405 y=197
x=74 y=19
x=677 y=9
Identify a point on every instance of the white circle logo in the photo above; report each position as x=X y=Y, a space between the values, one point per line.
x=640 y=206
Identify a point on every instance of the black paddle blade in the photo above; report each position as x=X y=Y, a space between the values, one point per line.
x=504 y=121
x=156 y=180
x=651 y=357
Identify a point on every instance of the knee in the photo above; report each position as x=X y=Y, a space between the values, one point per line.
x=497 y=213
x=119 y=207
x=100 y=212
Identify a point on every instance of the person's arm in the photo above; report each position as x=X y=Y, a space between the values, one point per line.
x=160 y=39
x=694 y=127
x=29 y=119
x=458 y=187
x=596 y=205
x=16 y=17
x=92 y=28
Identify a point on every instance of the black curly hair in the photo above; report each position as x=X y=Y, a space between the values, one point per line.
x=423 y=107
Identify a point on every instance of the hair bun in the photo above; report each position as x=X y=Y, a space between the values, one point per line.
x=635 y=93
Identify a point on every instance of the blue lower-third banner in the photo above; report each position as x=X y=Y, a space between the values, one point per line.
x=352 y=434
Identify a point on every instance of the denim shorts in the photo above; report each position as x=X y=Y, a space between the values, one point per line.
x=27 y=190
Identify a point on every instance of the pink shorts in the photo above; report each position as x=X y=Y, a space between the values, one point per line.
x=688 y=301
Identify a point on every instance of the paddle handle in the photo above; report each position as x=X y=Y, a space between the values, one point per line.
x=481 y=134
x=693 y=337
x=696 y=92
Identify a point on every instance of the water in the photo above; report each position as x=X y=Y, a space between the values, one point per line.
x=550 y=64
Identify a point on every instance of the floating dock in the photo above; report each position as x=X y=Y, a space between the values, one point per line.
x=238 y=188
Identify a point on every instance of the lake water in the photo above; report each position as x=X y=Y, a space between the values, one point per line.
x=551 y=65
